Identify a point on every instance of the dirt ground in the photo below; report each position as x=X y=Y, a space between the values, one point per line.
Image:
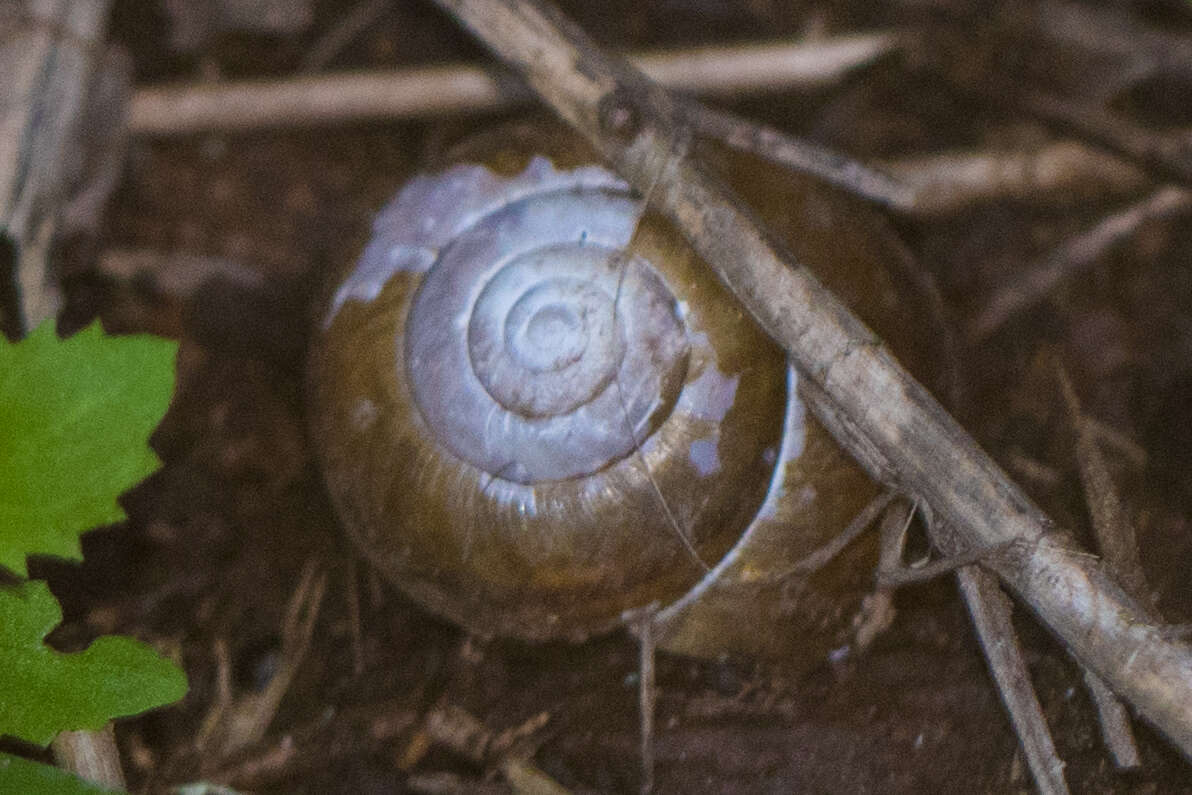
x=217 y=541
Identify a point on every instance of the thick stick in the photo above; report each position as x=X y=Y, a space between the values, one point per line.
x=885 y=418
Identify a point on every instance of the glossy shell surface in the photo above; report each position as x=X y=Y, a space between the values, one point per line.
x=535 y=409
x=534 y=413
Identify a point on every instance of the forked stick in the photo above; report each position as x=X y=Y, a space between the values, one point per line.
x=874 y=408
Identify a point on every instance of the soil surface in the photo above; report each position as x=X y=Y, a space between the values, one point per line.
x=217 y=541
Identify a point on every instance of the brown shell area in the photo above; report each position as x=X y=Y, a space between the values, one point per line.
x=567 y=561
x=799 y=619
x=591 y=549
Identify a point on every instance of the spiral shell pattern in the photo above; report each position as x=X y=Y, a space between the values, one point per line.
x=542 y=350
x=572 y=419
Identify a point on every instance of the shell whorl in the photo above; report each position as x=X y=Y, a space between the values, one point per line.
x=534 y=404
x=523 y=280
x=537 y=350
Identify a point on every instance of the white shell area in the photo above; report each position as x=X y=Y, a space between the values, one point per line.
x=536 y=347
x=432 y=209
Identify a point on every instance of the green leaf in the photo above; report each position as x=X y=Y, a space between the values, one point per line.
x=75 y=416
x=33 y=778
x=43 y=692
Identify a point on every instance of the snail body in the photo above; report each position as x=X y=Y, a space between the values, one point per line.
x=536 y=409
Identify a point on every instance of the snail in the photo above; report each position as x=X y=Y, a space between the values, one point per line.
x=536 y=408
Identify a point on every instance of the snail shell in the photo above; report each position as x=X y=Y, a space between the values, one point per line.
x=536 y=409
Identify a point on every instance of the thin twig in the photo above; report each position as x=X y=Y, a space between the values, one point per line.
x=1116 y=731
x=990 y=611
x=825 y=554
x=857 y=390
x=1125 y=53
x=945 y=183
x=463 y=733
x=525 y=778
x=1118 y=544
x=877 y=608
x=1110 y=436
x=1104 y=30
x=1116 y=538
x=176 y=275
x=237 y=723
x=345 y=30
x=644 y=623
x=294 y=753
x=648 y=696
x=797 y=154
x=910 y=575
x=432 y=91
x=1074 y=255
x=1166 y=151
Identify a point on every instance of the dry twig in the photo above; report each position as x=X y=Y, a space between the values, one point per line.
x=90 y=755
x=1118 y=545
x=49 y=53
x=825 y=554
x=877 y=609
x=797 y=154
x=881 y=415
x=990 y=611
x=526 y=779
x=644 y=625
x=350 y=25
x=1116 y=539
x=1119 y=54
x=1078 y=253
x=1105 y=30
x=1116 y=730
x=237 y=723
x=1165 y=151
x=429 y=91
x=369 y=728
x=944 y=183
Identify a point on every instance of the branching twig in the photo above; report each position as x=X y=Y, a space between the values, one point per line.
x=908 y=575
x=881 y=415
